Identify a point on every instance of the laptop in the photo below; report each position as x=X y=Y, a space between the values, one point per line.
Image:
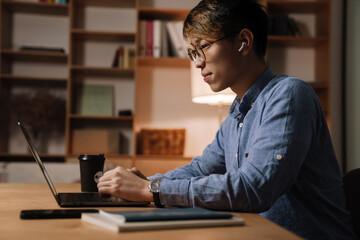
x=79 y=199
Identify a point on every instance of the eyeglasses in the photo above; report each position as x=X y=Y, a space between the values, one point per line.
x=199 y=52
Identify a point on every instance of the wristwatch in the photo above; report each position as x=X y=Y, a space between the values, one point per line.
x=154 y=188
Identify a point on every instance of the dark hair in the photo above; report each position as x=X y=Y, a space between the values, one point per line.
x=213 y=19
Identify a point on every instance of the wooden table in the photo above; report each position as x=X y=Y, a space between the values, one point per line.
x=16 y=197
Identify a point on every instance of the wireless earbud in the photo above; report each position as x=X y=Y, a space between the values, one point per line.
x=243 y=44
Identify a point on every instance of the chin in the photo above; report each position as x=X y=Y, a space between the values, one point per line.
x=215 y=88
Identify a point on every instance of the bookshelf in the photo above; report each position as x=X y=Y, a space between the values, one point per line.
x=25 y=71
x=311 y=50
x=89 y=51
x=94 y=45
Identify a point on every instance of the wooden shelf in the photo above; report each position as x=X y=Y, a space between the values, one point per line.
x=59 y=157
x=35 y=55
x=164 y=62
x=318 y=85
x=80 y=34
x=111 y=118
x=291 y=41
x=29 y=78
x=164 y=14
x=36 y=7
x=24 y=157
x=32 y=80
x=107 y=3
x=103 y=70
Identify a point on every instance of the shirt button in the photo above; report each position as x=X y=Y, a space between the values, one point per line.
x=236 y=155
x=241 y=124
x=279 y=157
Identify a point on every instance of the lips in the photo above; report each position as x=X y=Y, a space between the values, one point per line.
x=206 y=76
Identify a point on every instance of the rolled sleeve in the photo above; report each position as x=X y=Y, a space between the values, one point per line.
x=175 y=193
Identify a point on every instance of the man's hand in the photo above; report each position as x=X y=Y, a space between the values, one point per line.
x=129 y=184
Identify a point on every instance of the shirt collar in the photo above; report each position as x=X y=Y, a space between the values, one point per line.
x=240 y=108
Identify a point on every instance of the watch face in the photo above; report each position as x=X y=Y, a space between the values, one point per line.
x=155 y=185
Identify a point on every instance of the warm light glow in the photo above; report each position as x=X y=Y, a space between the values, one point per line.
x=202 y=93
x=214 y=99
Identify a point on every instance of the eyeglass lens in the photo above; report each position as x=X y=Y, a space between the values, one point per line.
x=193 y=53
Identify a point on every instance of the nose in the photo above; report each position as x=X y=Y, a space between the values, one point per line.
x=199 y=62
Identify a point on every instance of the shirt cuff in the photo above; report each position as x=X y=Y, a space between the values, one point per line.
x=175 y=193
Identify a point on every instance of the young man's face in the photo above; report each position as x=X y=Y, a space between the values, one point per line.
x=222 y=67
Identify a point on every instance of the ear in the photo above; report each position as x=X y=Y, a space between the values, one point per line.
x=245 y=40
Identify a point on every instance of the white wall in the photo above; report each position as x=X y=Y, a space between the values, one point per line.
x=353 y=84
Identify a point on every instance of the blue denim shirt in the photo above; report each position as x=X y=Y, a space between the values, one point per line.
x=273 y=155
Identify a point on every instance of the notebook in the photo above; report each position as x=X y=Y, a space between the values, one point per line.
x=165 y=218
x=78 y=199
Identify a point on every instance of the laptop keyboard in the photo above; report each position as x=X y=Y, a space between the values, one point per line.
x=94 y=199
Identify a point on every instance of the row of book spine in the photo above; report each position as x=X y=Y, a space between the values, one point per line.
x=162 y=39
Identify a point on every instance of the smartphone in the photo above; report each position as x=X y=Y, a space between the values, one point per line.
x=54 y=213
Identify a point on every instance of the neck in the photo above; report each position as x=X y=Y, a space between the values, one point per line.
x=252 y=72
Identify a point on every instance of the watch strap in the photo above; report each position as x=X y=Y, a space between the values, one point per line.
x=157 y=202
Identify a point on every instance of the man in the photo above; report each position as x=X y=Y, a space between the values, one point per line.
x=273 y=154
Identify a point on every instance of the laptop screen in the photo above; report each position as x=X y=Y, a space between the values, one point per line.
x=38 y=160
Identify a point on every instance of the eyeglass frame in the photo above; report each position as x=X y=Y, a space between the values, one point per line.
x=193 y=53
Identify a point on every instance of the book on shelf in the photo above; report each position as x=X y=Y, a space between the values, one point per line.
x=176 y=39
x=166 y=218
x=129 y=58
x=124 y=57
x=164 y=41
x=161 y=39
x=179 y=30
x=156 y=38
x=142 y=35
x=118 y=57
x=96 y=100
x=294 y=28
x=149 y=38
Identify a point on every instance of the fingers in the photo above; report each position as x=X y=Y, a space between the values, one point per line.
x=105 y=192
x=108 y=188
x=129 y=184
x=111 y=174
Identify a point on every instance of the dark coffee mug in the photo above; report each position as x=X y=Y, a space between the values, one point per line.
x=91 y=169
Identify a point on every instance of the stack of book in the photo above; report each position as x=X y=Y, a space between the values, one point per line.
x=167 y=218
x=162 y=39
x=283 y=25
